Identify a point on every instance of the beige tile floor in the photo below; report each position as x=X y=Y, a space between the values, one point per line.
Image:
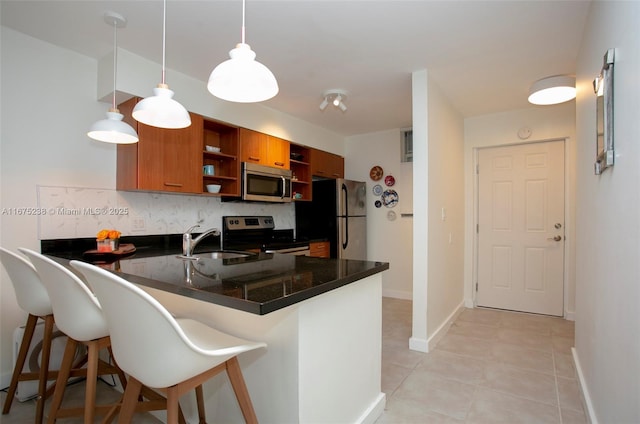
x=491 y=367
x=24 y=412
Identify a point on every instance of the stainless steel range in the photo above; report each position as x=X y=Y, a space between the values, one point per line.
x=258 y=233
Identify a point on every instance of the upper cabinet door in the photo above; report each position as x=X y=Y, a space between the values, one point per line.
x=163 y=159
x=171 y=160
x=253 y=147
x=278 y=152
x=325 y=164
x=263 y=149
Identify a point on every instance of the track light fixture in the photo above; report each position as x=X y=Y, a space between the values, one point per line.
x=336 y=97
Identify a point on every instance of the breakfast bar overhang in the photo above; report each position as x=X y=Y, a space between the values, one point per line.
x=321 y=320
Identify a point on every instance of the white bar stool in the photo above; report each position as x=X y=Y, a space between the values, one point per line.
x=173 y=355
x=79 y=316
x=32 y=298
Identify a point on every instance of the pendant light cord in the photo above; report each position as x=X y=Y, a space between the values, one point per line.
x=243 y=21
x=164 y=36
x=115 y=61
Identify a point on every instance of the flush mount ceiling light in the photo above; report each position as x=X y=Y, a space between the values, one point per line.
x=336 y=97
x=553 y=90
x=113 y=129
x=160 y=110
x=242 y=79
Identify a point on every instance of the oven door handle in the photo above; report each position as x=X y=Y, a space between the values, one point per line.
x=301 y=251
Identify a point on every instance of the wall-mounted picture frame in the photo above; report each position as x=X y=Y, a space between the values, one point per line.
x=603 y=88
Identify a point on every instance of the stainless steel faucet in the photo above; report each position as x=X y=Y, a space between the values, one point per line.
x=189 y=243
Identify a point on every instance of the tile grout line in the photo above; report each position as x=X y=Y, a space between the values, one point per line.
x=555 y=377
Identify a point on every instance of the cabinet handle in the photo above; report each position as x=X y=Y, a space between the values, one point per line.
x=335 y=175
x=278 y=163
x=173 y=184
x=253 y=158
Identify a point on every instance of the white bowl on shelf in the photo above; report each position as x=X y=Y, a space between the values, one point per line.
x=212 y=148
x=213 y=188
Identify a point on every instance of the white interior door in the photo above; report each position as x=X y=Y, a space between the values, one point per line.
x=521 y=228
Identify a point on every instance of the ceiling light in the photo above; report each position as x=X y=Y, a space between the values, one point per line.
x=160 y=110
x=336 y=97
x=113 y=129
x=242 y=79
x=553 y=90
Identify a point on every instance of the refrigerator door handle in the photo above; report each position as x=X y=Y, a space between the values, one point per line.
x=345 y=236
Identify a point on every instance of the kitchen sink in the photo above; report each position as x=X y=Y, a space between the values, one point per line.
x=219 y=254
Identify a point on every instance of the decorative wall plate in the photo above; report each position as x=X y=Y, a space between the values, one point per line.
x=378 y=203
x=377 y=190
x=390 y=198
x=391 y=216
x=389 y=180
x=376 y=173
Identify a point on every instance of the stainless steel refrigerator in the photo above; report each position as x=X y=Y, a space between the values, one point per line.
x=337 y=213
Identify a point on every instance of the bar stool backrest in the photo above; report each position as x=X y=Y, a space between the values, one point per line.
x=75 y=307
x=31 y=294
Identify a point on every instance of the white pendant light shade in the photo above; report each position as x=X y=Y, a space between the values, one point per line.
x=161 y=110
x=113 y=129
x=553 y=90
x=242 y=79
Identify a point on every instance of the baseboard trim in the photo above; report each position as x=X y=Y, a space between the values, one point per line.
x=419 y=345
x=570 y=316
x=397 y=294
x=586 y=399
x=444 y=327
x=374 y=411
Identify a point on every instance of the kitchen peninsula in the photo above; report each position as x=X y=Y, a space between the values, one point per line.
x=321 y=320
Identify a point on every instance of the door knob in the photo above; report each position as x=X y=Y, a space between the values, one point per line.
x=558 y=225
x=556 y=238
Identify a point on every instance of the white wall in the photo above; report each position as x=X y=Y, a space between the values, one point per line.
x=546 y=123
x=446 y=211
x=607 y=350
x=48 y=102
x=438 y=200
x=387 y=240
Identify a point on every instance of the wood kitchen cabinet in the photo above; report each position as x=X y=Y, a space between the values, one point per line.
x=327 y=165
x=319 y=249
x=163 y=159
x=263 y=149
x=225 y=162
x=301 y=172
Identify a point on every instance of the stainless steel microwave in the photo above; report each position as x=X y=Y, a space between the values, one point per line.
x=265 y=183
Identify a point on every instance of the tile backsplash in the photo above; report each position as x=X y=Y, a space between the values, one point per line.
x=76 y=212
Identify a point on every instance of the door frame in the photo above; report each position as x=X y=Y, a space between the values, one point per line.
x=569 y=224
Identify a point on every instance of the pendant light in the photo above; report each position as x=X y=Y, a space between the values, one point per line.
x=113 y=129
x=160 y=110
x=242 y=79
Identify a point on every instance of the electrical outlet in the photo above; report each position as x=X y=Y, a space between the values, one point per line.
x=138 y=224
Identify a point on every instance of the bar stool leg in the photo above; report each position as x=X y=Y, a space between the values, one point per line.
x=44 y=367
x=22 y=357
x=63 y=376
x=241 y=391
x=202 y=419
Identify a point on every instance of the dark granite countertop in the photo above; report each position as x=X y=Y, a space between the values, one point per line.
x=258 y=283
